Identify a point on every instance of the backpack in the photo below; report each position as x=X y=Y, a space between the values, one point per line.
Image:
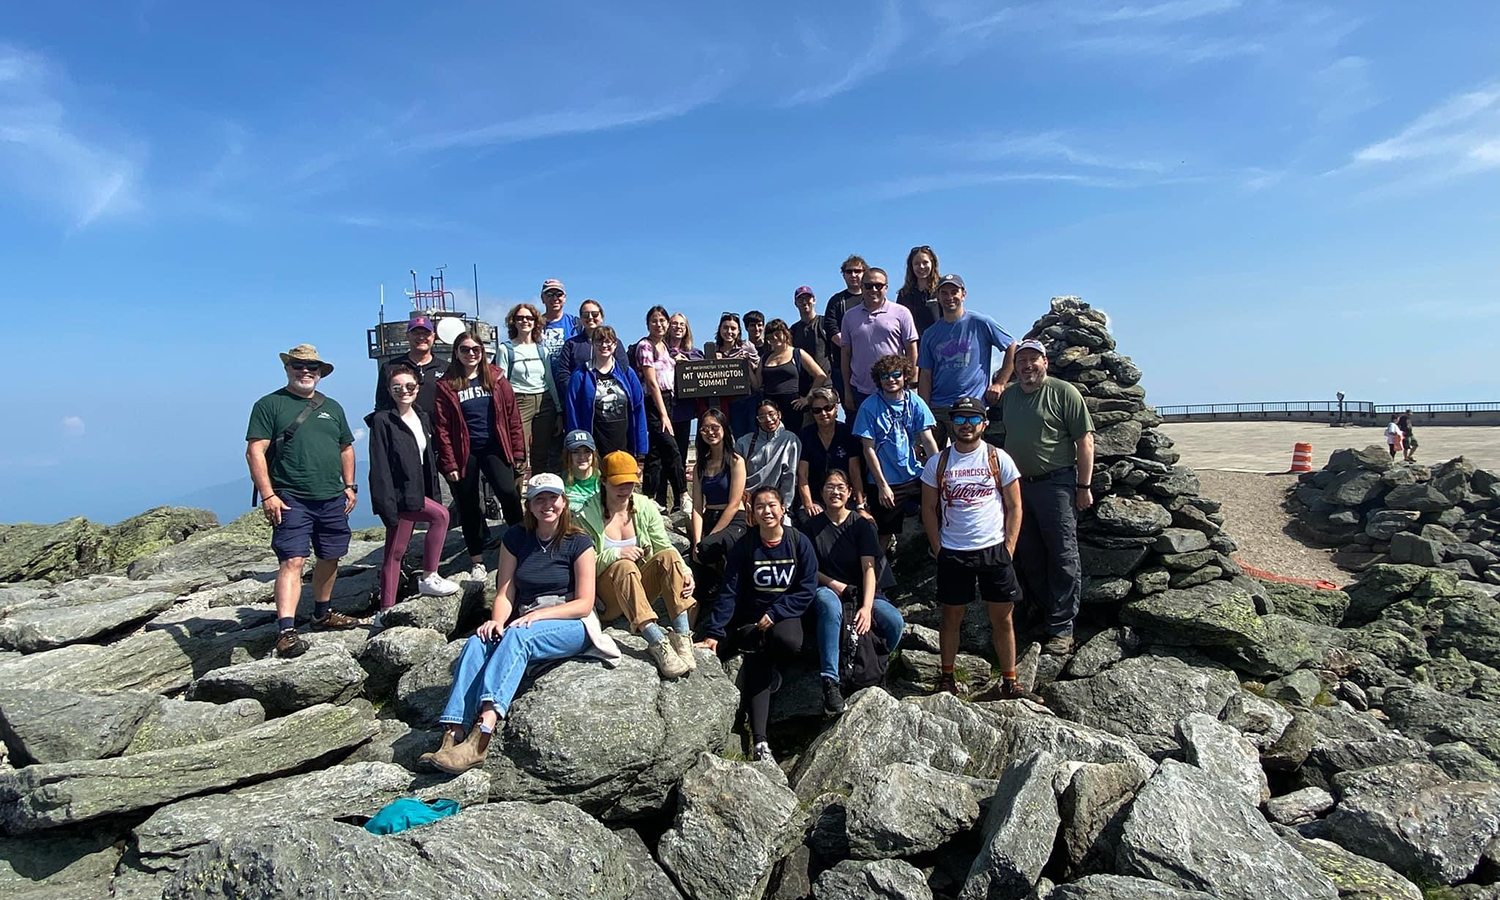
x=280 y=440
x=942 y=474
x=863 y=658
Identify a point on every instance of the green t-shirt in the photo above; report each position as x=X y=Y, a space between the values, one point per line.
x=1041 y=427
x=308 y=466
x=579 y=492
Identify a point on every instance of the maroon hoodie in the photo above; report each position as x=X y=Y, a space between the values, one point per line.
x=451 y=430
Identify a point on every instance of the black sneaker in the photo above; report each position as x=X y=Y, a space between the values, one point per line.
x=833 y=698
x=946 y=685
x=290 y=644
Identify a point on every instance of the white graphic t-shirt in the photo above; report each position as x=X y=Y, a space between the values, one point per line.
x=973 y=509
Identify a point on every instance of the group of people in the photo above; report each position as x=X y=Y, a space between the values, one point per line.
x=793 y=509
x=1399 y=438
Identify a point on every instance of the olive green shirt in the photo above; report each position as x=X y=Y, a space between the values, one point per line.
x=1041 y=428
x=308 y=466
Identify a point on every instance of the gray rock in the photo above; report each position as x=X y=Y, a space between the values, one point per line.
x=1290 y=751
x=392 y=652
x=1355 y=877
x=905 y=809
x=46 y=796
x=1461 y=762
x=1384 y=524
x=1373 y=458
x=1185 y=831
x=172 y=833
x=1306 y=603
x=1121 y=515
x=1180 y=540
x=422 y=690
x=322 y=675
x=1215 y=615
x=1152 y=581
x=1475 y=555
x=1109 y=561
x=1418 y=497
x=1301 y=687
x=1019 y=831
x=651 y=883
x=1224 y=754
x=1121 y=887
x=1261 y=721
x=397 y=743
x=49 y=726
x=1472 y=627
x=1299 y=807
x=1378 y=587
x=1102 y=651
x=877 y=730
x=1418 y=551
x=219 y=552
x=447 y=614
x=1440 y=718
x=182 y=723
x=887 y=879
x=924 y=668
x=1353 y=488
x=1144 y=697
x=1092 y=807
x=550 y=851
x=1119 y=439
x=1439 y=534
x=66 y=864
x=630 y=735
x=1411 y=817
x=733 y=824
x=1105 y=590
x=33 y=630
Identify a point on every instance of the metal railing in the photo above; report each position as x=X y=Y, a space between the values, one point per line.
x=1430 y=408
x=1311 y=407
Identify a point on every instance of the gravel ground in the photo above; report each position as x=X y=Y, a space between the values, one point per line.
x=1255 y=519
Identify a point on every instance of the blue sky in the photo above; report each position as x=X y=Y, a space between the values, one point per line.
x=1274 y=200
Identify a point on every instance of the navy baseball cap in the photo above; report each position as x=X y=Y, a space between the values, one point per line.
x=579 y=438
x=955 y=280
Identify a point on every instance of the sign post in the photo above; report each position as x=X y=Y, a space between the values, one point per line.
x=712 y=378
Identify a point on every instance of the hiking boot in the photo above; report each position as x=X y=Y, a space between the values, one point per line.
x=334 y=619
x=1058 y=645
x=1012 y=690
x=946 y=685
x=290 y=644
x=833 y=698
x=682 y=645
x=762 y=753
x=668 y=663
x=461 y=758
x=449 y=742
x=434 y=585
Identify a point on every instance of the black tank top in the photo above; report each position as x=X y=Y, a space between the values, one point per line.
x=779 y=381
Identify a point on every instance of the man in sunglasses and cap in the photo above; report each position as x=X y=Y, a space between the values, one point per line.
x=419 y=358
x=955 y=355
x=301 y=457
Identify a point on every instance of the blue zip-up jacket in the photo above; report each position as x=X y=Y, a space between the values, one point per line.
x=578 y=404
x=759 y=580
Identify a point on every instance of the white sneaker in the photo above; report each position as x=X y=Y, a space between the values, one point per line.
x=687 y=504
x=479 y=572
x=762 y=752
x=434 y=585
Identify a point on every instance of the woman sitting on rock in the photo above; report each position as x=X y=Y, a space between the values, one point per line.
x=404 y=488
x=769 y=581
x=718 y=518
x=581 y=469
x=637 y=564
x=544 y=609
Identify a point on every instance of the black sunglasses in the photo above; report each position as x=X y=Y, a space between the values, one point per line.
x=852 y=271
x=892 y=376
x=471 y=348
x=823 y=409
x=873 y=285
x=305 y=366
x=404 y=388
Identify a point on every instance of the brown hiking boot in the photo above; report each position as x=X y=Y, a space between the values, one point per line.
x=463 y=757
x=682 y=645
x=1012 y=690
x=290 y=644
x=449 y=742
x=1058 y=645
x=668 y=663
x=334 y=619
x=946 y=685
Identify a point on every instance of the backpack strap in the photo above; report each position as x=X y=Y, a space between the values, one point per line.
x=942 y=480
x=994 y=467
x=280 y=440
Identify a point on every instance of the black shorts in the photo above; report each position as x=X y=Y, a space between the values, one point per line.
x=960 y=571
x=890 y=521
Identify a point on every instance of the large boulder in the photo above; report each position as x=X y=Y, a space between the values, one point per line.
x=325 y=674
x=905 y=809
x=181 y=723
x=1221 y=618
x=1019 y=830
x=228 y=553
x=1373 y=458
x=51 y=552
x=886 y=879
x=1417 y=497
x=1121 y=887
x=66 y=864
x=46 y=796
x=1413 y=818
x=875 y=731
x=394 y=651
x=613 y=741
x=1092 y=806
x=1225 y=754
x=153 y=530
x=1353 y=488
x=1472 y=628
x=1440 y=718
x=1418 y=551
x=30 y=630
x=1185 y=830
x=733 y=824
x=1121 y=515
x=1308 y=604
x=50 y=726
x=520 y=851
x=1356 y=877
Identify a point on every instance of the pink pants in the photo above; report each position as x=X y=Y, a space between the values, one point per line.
x=398 y=536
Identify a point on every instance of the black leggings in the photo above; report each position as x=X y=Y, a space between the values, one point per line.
x=713 y=549
x=663 y=466
x=502 y=478
x=765 y=653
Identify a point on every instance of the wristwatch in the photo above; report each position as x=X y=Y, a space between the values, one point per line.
x=1085 y=487
x=352 y=487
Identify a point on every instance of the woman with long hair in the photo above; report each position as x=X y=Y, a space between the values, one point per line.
x=771 y=453
x=718 y=518
x=543 y=609
x=528 y=368
x=827 y=445
x=404 y=488
x=657 y=370
x=680 y=345
x=605 y=399
x=478 y=431
x=919 y=293
x=727 y=344
x=638 y=564
x=781 y=374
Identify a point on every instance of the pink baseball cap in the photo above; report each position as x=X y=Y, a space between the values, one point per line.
x=804 y=289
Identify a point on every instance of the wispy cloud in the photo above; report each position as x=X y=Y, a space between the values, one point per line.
x=44 y=156
x=72 y=426
x=1052 y=146
x=1166 y=12
x=927 y=184
x=1458 y=137
x=878 y=54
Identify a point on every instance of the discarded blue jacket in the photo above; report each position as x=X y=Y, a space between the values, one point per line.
x=409 y=812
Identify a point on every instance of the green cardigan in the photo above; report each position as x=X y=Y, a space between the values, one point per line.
x=650 y=529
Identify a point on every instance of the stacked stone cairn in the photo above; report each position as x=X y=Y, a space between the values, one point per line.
x=1376 y=509
x=1211 y=737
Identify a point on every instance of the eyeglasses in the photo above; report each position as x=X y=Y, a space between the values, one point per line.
x=768 y=416
x=304 y=366
x=606 y=342
x=404 y=388
x=524 y=319
x=873 y=285
x=837 y=487
x=591 y=314
x=893 y=376
x=471 y=348
x=853 y=271
x=819 y=410
x=552 y=295
x=968 y=420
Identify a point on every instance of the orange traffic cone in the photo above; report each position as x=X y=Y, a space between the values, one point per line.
x=1301 y=458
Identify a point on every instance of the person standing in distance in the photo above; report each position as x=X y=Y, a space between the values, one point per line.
x=955 y=354
x=555 y=328
x=306 y=482
x=808 y=336
x=420 y=360
x=1050 y=435
x=871 y=330
x=853 y=273
x=919 y=292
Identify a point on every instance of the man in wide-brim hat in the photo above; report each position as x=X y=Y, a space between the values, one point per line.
x=301 y=457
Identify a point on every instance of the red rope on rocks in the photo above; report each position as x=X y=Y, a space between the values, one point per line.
x=1287 y=579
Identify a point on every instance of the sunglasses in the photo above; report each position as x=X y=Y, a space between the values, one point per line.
x=524 y=319
x=819 y=410
x=968 y=420
x=305 y=366
x=591 y=314
x=552 y=295
x=853 y=271
x=893 y=376
x=404 y=388
x=471 y=348
x=766 y=417
x=873 y=285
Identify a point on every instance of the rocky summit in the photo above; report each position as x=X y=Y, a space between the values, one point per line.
x=1210 y=736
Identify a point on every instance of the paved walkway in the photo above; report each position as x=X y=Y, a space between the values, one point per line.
x=1267 y=446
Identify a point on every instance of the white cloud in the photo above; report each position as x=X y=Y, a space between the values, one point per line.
x=360 y=434
x=72 y=426
x=880 y=51
x=1460 y=136
x=1052 y=146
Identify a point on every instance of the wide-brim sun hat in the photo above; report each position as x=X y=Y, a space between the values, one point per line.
x=544 y=483
x=307 y=353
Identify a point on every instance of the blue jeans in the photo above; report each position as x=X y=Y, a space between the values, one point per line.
x=492 y=670
x=830 y=612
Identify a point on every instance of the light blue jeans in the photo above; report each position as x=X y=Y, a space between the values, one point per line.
x=491 y=670
x=885 y=620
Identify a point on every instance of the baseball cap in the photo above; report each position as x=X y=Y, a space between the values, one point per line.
x=955 y=280
x=804 y=289
x=1032 y=344
x=552 y=284
x=579 y=438
x=969 y=406
x=544 y=483
x=419 y=322
x=620 y=467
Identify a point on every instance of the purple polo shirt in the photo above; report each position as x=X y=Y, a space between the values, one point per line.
x=871 y=335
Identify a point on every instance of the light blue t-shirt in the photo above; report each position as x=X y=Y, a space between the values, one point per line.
x=555 y=333
x=895 y=428
x=959 y=354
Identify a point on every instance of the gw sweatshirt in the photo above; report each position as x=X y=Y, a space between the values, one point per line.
x=761 y=580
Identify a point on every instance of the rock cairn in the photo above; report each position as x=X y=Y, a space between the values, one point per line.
x=1377 y=509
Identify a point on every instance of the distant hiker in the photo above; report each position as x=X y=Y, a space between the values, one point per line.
x=971 y=511
x=684 y=411
x=771 y=453
x=528 y=368
x=657 y=368
x=727 y=344
x=1409 y=439
x=638 y=564
x=578 y=350
x=894 y=426
x=956 y=353
x=604 y=398
x=851 y=569
x=404 y=489
x=1395 y=438
x=828 y=445
x=478 y=434
x=420 y=360
x=919 y=292
x=1050 y=436
x=872 y=329
x=784 y=370
x=718 y=518
x=543 y=609
x=557 y=326
x=581 y=475
x=853 y=273
x=301 y=456
x=809 y=337
x=769 y=581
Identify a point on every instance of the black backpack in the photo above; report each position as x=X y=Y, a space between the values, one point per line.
x=863 y=658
